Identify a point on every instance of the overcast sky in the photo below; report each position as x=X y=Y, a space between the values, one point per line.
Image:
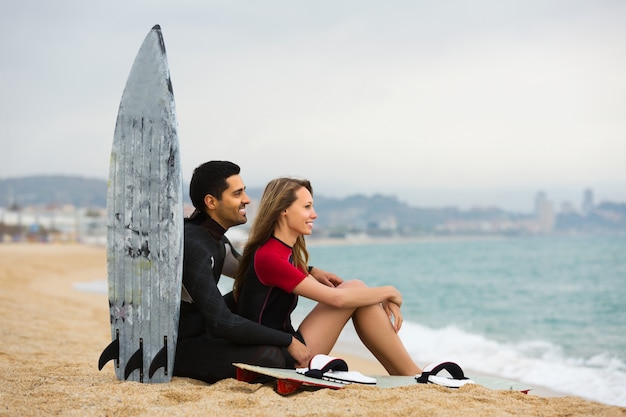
x=437 y=102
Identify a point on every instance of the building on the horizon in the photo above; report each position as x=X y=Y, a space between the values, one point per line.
x=567 y=208
x=587 y=201
x=544 y=213
x=65 y=223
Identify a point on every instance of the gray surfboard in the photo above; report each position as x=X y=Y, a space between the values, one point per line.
x=145 y=222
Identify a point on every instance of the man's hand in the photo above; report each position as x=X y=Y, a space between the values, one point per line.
x=327 y=278
x=300 y=352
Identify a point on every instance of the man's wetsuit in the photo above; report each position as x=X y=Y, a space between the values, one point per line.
x=210 y=336
x=267 y=294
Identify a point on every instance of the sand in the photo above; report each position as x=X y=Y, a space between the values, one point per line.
x=52 y=335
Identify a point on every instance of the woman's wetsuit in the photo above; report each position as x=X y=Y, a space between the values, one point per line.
x=266 y=295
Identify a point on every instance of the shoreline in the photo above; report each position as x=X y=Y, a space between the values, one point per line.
x=53 y=334
x=365 y=363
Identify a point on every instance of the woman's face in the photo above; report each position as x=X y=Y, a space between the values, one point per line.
x=301 y=214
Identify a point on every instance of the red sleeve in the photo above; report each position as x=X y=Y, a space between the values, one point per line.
x=272 y=267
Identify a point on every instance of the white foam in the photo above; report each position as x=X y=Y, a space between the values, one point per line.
x=601 y=378
x=535 y=363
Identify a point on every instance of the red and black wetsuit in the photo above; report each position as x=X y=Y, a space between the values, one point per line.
x=267 y=294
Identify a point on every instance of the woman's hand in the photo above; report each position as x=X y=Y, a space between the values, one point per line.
x=395 y=297
x=394 y=314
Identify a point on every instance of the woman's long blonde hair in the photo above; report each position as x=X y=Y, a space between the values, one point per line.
x=279 y=194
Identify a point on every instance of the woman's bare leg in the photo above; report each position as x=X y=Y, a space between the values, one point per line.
x=323 y=325
x=377 y=334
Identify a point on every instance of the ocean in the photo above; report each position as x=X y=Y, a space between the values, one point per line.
x=546 y=311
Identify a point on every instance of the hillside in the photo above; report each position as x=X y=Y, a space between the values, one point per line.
x=376 y=215
x=53 y=190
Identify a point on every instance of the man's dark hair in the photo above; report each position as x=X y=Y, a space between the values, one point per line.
x=210 y=178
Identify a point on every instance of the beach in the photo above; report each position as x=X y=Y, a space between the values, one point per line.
x=52 y=335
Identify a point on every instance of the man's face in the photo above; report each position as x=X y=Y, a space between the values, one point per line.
x=231 y=209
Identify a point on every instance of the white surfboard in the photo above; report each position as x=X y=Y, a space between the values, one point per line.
x=145 y=222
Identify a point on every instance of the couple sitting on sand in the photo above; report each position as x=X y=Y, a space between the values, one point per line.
x=252 y=324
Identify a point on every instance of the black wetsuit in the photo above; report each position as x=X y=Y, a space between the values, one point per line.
x=210 y=336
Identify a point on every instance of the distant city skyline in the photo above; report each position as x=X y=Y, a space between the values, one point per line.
x=516 y=200
x=377 y=217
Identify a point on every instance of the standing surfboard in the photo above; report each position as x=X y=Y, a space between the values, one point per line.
x=145 y=222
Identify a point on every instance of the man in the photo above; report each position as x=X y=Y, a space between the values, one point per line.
x=210 y=336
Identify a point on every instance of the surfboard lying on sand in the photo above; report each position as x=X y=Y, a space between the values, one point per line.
x=145 y=222
x=289 y=380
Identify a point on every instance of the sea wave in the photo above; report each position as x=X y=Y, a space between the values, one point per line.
x=538 y=363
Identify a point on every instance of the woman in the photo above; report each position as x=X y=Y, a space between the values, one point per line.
x=273 y=272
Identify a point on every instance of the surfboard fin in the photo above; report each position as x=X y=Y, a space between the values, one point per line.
x=160 y=360
x=110 y=352
x=135 y=362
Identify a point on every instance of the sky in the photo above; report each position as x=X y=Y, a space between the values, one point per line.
x=466 y=103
